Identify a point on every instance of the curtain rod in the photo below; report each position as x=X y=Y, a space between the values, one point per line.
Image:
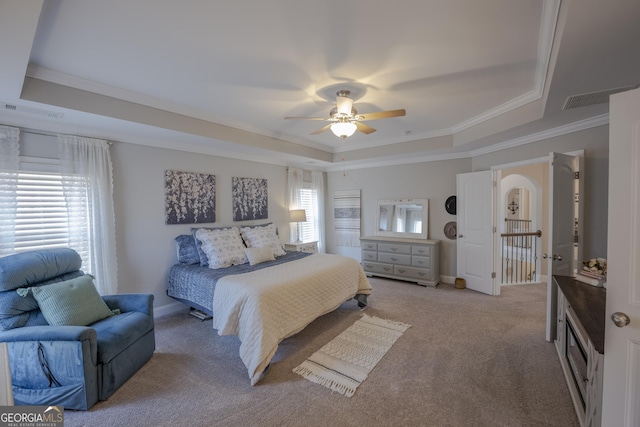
x=33 y=132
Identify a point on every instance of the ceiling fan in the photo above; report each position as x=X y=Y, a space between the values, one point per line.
x=346 y=120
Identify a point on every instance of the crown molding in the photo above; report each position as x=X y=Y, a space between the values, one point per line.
x=600 y=120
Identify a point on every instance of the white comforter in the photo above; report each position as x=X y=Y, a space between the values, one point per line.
x=266 y=306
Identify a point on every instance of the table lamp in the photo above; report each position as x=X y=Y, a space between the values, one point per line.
x=297 y=216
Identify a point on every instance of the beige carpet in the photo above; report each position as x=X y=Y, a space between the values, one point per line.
x=468 y=360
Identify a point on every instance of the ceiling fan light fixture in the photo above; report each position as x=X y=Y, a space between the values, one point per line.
x=344 y=104
x=343 y=129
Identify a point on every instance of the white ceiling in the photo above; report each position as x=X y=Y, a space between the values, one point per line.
x=219 y=77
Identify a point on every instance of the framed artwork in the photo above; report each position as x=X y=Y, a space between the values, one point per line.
x=346 y=217
x=250 y=198
x=189 y=197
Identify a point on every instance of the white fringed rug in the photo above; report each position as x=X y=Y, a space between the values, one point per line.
x=345 y=362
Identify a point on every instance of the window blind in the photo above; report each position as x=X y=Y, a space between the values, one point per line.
x=41 y=216
x=309 y=202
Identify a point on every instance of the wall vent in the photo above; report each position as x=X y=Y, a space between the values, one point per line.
x=31 y=110
x=593 y=98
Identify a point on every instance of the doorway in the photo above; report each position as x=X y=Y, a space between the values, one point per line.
x=531 y=180
x=479 y=224
x=520 y=207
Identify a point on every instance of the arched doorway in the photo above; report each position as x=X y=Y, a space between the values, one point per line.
x=520 y=212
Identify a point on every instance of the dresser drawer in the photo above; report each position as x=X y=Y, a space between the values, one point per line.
x=369 y=256
x=421 y=250
x=413 y=272
x=412 y=260
x=394 y=248
x=376 y=267
x=394 y=258
x=369 y=246
x=421 y=261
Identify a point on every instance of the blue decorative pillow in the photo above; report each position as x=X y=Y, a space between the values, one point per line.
x=73 y=302
x=187 y=250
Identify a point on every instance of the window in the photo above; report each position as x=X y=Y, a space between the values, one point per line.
x=309 y=202
x=42 y=218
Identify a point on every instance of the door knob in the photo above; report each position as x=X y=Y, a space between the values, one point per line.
x=460 y=236
x=557 y=257
x=620 y=319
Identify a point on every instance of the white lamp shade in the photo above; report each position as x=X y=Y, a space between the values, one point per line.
x=344 y=105
x=297 y=215
x=343 y=129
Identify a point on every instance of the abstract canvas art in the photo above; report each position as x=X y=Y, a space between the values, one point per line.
x=250 y=199
x=346 y=217
x=189 y=197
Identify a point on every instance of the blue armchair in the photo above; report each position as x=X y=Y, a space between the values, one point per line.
x=70 y=366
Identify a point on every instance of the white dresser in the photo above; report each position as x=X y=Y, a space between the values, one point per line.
x=413 y=260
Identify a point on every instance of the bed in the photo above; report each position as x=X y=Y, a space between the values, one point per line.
x=268 y=301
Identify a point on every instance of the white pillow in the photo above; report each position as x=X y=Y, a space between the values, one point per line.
x=258 y=255
x=258 y=237
x=224 y=247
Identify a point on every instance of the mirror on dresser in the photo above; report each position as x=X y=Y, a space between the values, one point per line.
x=402 y=218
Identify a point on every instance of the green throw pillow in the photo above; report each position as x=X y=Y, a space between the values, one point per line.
x=72 y=302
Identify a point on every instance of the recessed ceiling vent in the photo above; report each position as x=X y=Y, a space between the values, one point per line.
x=593 y=98
x=30 y=110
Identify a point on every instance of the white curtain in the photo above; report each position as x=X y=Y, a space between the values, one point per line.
x=317 y=183
x=9 y=165
x=85 y=166
x=295 y=182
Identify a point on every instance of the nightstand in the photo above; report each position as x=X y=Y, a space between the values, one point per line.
x=310 y=247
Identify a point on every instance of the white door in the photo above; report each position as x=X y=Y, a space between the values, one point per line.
x=560 y=257
x=475 y=230
x=621 y=399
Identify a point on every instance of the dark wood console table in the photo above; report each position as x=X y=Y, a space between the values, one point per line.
x=580 y=344
x=589 y=304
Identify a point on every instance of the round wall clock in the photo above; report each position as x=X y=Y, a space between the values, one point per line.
x=451 y=230
x=450 y=205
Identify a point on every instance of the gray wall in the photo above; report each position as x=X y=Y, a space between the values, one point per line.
x=433 y=180
x=437 y=181
x=145 y=244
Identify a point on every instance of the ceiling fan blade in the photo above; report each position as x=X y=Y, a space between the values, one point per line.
x=322 y=129
x=344 y=105
x=382 y=114
x=364 y=128
x=308 y=118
